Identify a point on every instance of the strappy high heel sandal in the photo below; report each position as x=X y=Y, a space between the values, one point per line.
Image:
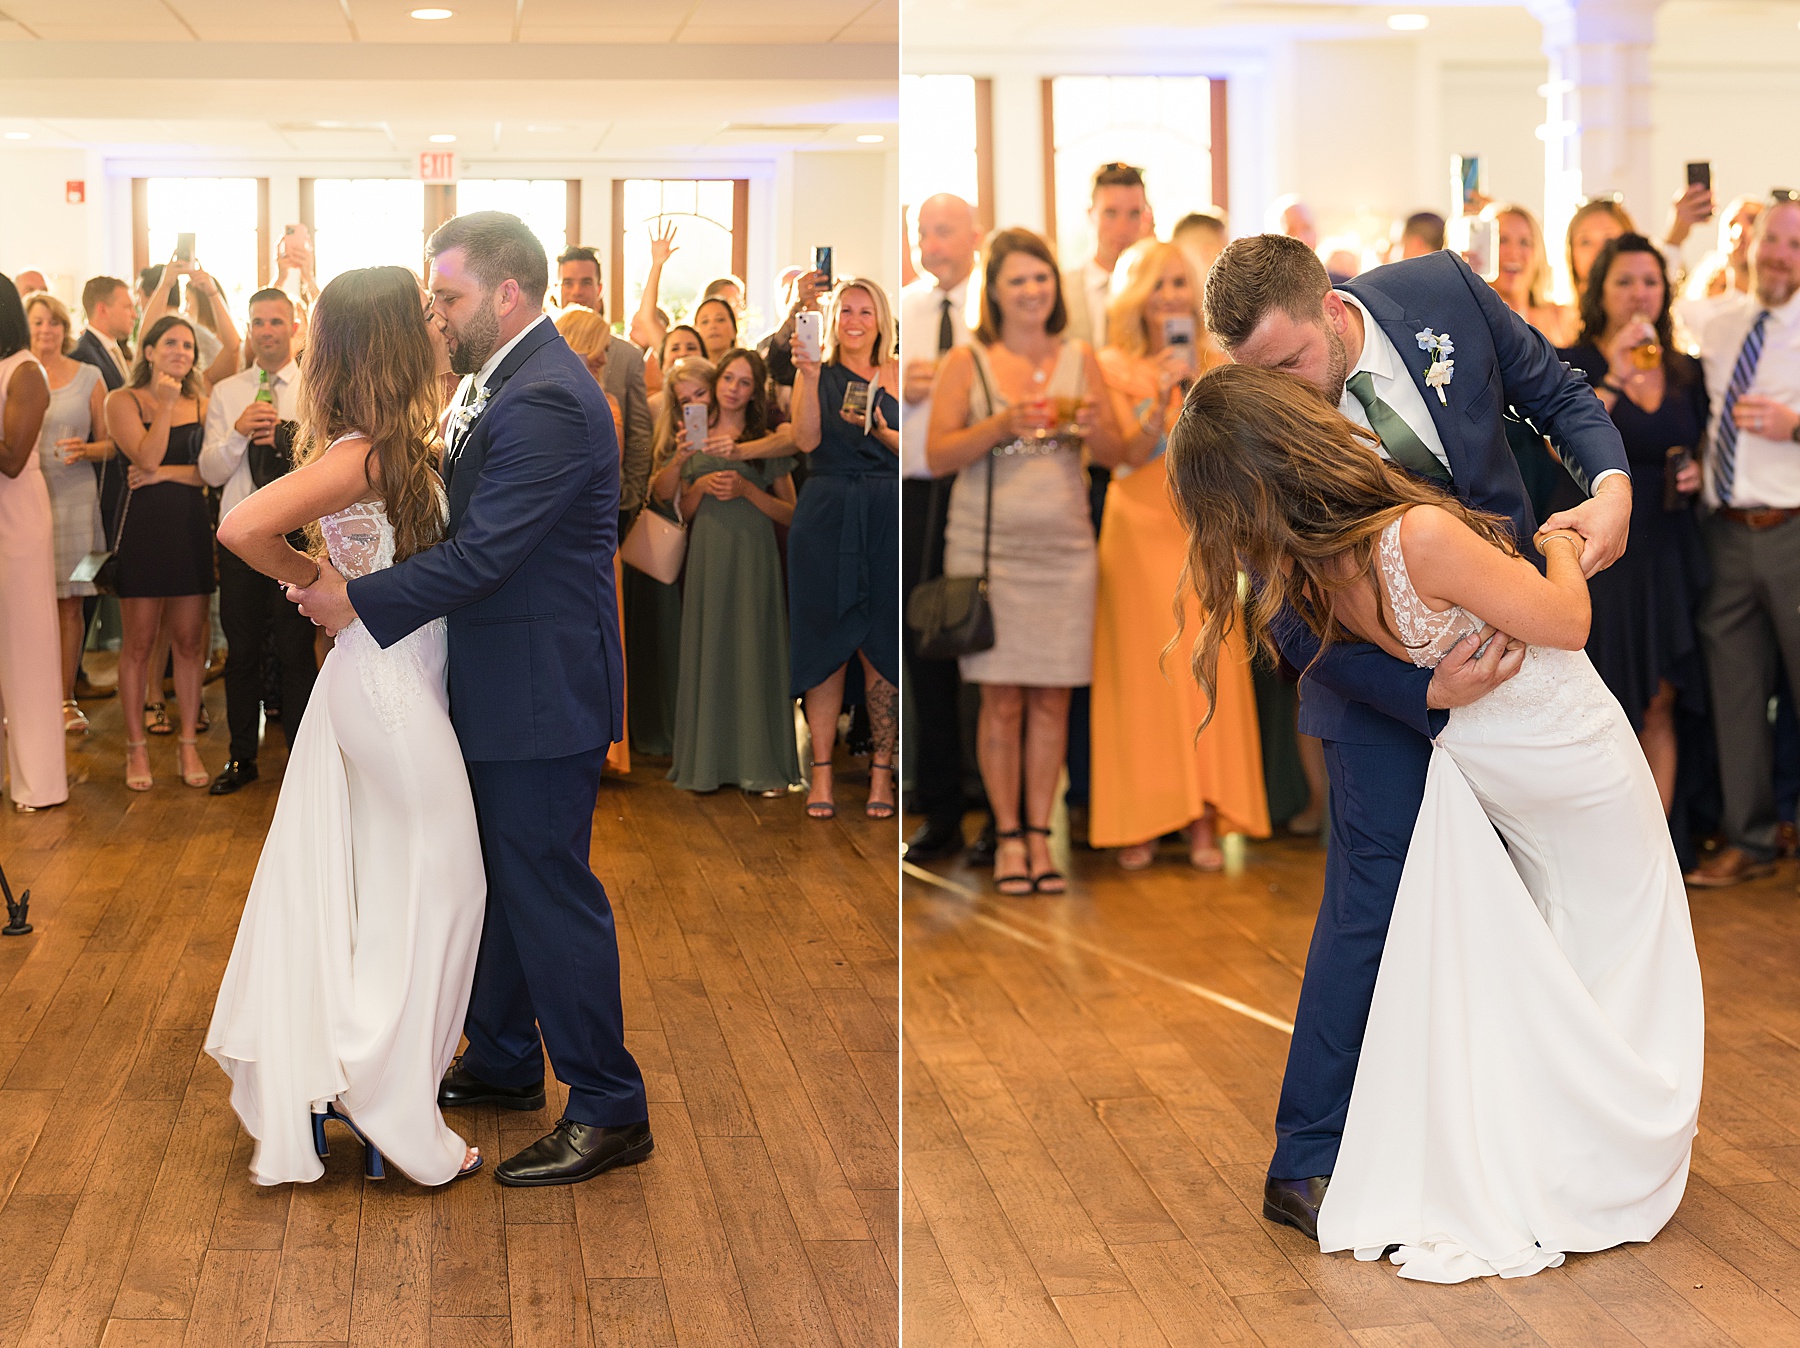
x=372 y=1164
x=156 y=719
x=881 y=809
x=140 y=781
x=74 y=719
x=822 y=809
x=202 y=777
x=1050 y=881
x=1013 y=884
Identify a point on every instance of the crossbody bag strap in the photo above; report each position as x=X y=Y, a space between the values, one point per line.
x=987 y=527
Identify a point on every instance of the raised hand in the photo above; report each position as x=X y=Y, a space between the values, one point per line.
x=662 y=243
x=165 y=388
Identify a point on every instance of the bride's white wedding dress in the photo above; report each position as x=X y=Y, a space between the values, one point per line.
x=1530 y=1076
x=356 y=951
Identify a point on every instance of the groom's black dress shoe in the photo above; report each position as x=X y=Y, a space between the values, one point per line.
x=1295 y=1203
x=234 y=775
x=462 y=1087
x=572 y=1152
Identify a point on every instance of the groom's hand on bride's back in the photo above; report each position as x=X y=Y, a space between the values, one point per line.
x=1469 y=673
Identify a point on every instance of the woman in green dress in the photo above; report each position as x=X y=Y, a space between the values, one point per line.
x=734 y=719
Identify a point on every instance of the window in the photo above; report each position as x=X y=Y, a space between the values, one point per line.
x=709 y=216
x=227 y=217
x=364 y=222
x=947 y=142
x=542 y=203
x=1166 y=125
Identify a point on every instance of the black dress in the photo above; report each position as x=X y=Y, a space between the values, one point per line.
x=165 y=546
x=1644 y=603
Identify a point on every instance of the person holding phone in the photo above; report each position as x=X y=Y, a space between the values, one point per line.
x=1150 y=776
x=1643 y=641
x=1011 y=414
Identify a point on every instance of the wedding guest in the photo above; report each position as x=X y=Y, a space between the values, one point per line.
x=589 y=337
x=650 y=325
x=680 y=343
x=804 y=290
x=716 y=322
x=734 y=720
x=1118 y=209
x=30 y=282
x=105 y=342
x=31 y=724
x=1202 y=235
x=248 y=443
x=1642 y=639
x=1751 y=616
x=1595 y=222
x=1422 y=232
x=727 y=288
x=161 y=292
x=653 y=609
x=1150 y=775
x=843 y=574
x=164 y=548
x=933 y=320
x=71 y=442
x=1525 y=280
x=1725 y=274
x=1010 y=414
x=622 y=378
x=1291 y=216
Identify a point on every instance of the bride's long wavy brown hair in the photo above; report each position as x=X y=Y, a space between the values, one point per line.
x=1267 y=476
x=369 y=368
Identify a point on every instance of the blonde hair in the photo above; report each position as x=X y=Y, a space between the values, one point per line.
x=585 y=331
x=1141 y=267
x=1537 y=289
x=884 y=320
x=687 y=370
x=370 y=369
x=58 y=310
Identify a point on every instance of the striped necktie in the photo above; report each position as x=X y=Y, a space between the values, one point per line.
x=1726 y=437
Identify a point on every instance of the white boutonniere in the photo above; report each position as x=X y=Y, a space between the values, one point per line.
x=1442 y=369
x=464 y=416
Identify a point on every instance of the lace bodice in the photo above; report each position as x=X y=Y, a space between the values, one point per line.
x=359 y=539
x=1428 y=635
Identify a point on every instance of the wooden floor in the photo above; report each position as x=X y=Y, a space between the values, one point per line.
x=1087 y=1128
x=760 y=985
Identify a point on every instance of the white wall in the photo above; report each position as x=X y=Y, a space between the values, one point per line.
x=38 y=229
x=845 y=201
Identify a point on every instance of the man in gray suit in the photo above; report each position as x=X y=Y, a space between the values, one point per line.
x=578 y=271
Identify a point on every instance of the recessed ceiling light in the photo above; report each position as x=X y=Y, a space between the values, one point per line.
x=535 y=127
x=443 y=139
x=18 y=135
x=1408 y=23
x=870 y=140
x=433 y=13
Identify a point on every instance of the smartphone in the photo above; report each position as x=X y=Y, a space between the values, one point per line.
x=1483 y=250
x=694 y=417
x=809 y=335
x=822 y=263
x=1699 y=174
x=184 y=247
x=1675 y=458
x=1465 y=171
x=1179 y=331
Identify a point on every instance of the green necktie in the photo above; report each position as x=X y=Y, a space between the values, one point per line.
x=1400 y=440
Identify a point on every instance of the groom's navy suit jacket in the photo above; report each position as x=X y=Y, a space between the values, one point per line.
x=525 y=575
x=1357 y=694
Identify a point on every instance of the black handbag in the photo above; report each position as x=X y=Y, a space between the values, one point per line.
x=102 y=568
x=951 y=614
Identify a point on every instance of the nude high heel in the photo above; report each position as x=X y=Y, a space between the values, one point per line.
x=140 y=781
x=202 y=777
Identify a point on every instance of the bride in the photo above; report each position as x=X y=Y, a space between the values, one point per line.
x=1530 y=1075
x=345 y=993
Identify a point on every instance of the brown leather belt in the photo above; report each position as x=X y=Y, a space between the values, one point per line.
x=1762 y=518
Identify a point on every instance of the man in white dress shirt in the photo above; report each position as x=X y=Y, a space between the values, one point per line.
x=934 y=316
x=1119 y=215
x=245 y=448
x=1751 y=353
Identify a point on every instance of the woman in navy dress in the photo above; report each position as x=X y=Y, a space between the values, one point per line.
x=843 y=548
x=1643 y=641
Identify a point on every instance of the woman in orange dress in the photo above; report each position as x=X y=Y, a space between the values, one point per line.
x=1150 y=775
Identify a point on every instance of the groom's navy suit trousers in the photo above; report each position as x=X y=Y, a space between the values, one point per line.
x=525 y=578
x=1369 y=708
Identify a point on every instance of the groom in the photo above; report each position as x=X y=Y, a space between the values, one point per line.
x=536 y=682
x=1423 y=353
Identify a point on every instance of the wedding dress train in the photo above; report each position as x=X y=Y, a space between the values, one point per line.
x=1530 y=1075
x=353 y=961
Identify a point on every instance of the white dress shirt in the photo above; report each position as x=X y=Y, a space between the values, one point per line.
x=1394 y=385
x=921 y=308
x=1096 y=287
x=224 y=453
x=1767 y=470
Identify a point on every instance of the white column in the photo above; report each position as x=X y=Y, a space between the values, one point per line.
x=1597 y=128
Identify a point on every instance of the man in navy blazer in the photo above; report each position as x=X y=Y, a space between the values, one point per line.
x=1424 y=353
x=525 y=578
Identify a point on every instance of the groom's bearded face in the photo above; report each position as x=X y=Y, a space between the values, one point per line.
x=472 y=343
x=1308 y=347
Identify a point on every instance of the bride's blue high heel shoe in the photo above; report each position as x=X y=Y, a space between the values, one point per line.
x=372 y=1166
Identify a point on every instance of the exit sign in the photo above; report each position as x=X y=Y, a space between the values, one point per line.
x=436 y=166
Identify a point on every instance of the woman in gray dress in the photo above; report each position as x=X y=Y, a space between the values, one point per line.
x=1015 y=410
x=72 y=441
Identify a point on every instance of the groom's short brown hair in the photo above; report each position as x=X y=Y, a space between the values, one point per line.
x=1257 y=275
x=497 y=247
